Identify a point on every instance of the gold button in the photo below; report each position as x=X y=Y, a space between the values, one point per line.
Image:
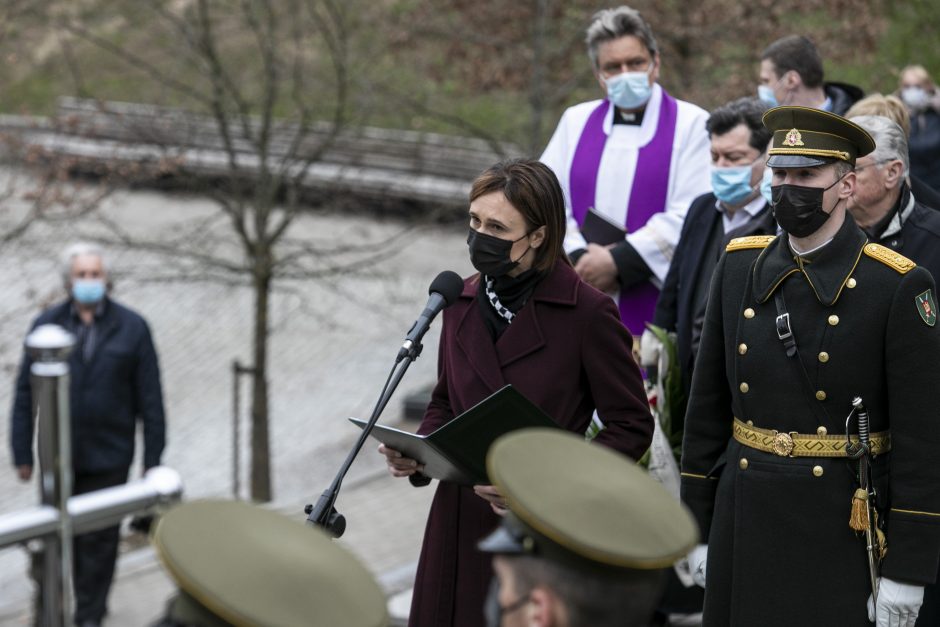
x=851 y=283
x=817 y=471
x=824 y=357
x=742 y=348
x=750 y=423
x=743 y=464
x=833 y=320
x=744 y=387
x=820 y=395
x=748 y=313
x=821 y=431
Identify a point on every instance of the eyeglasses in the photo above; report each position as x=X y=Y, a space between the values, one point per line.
x=612 y=68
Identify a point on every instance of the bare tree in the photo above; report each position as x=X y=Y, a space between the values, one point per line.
x=260 y=75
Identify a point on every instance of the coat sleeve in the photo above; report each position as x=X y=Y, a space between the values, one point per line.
x=667 y=305
x=149 y=399
x=913 y=529
x=22 y=428
x=708 y=416
x=615 y=381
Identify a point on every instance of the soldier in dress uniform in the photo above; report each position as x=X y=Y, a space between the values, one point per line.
x=587 y=535
x=797 y=327
x=240 y=564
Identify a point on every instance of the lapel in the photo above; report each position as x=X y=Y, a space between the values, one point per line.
x=826 y=274
x=474 y=340
x=107 y=327
x=523 y=337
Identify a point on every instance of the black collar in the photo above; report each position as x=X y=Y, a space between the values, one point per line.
x=830 y=268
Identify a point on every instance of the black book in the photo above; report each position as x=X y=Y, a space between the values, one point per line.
x=457 y=451
x=599 y=229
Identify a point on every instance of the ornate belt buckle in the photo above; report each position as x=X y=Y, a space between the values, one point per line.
x=782 y=444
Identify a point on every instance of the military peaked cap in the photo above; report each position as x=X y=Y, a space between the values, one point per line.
x=583 y=505
x=247 y=565
x=805 y=137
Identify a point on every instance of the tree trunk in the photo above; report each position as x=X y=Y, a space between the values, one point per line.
x=260 y=446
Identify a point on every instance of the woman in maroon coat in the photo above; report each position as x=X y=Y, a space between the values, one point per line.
x=527 y=320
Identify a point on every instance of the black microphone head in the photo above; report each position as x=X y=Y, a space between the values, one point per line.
x=448 y=284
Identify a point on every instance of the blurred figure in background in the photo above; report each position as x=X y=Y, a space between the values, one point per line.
x=791 y=73
x=114 y=383
x=892 y=108
x=920 y=95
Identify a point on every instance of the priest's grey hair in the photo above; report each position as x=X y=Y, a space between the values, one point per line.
x=610 y=24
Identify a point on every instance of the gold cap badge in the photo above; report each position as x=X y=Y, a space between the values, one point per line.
x=794 y=138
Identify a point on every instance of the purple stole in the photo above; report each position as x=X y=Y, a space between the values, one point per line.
x=647 y=196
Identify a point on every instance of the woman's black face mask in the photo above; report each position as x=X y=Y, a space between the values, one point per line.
x=490 y=255
x=798 y=209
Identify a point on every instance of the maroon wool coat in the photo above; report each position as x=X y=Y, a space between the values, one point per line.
x=567 y=352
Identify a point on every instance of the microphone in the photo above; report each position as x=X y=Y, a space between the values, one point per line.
x=444 y=290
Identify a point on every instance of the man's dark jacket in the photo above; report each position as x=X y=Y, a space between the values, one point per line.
x=842 y=95
x=914 y=231
x=691 y=271
x=117 y=386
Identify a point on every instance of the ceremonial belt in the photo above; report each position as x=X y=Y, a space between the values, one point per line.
x=794 y=444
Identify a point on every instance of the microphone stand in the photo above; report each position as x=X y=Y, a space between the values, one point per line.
x=324 y=514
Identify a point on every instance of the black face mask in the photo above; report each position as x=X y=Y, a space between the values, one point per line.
x=490 y=255
x=798 y=209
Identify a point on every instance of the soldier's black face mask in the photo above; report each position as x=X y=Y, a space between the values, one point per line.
x=798 y=209
x=490 y=255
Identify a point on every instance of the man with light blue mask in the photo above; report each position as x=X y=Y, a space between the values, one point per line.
x=630 y=165
x=115 y=383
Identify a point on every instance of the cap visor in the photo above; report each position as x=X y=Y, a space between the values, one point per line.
x=501 y=541
x=795 y=161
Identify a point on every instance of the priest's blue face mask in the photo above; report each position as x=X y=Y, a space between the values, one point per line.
x=629 y=90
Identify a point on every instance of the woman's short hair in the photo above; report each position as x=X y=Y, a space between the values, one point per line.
x=923 y=76
x=533 y=190
x=889 y=107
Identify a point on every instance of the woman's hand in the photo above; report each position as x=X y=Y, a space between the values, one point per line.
x=397 y=465
x=491 y=495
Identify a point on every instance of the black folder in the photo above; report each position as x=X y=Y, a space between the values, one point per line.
x=599 y=229
x=457 y=451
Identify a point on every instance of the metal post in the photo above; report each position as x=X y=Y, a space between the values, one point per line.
x=49 y=347
x=237 y=371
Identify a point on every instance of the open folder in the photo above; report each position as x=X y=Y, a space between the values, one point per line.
x=457 y=451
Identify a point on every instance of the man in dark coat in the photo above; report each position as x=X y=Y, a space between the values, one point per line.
x=735 y=208
x=884 y=206
x=791 y=73
x=114 y=382
x=797 y=326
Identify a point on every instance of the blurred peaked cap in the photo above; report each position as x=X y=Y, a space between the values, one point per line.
x=806 y=137
x=584 y=505
x=248 y=565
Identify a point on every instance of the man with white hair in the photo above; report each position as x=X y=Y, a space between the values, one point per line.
x=630 y=166
x=883 y=204
x=115 y=382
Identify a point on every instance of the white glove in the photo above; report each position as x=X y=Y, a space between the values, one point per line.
x=650 y=349
x=898 y=604
x=697 y=559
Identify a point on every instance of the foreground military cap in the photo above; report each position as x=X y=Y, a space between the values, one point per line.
x=584 y=505
x=251 y=566
x=805 y=137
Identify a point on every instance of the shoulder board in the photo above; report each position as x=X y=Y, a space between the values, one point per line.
x=753 y=241
x=892 y=259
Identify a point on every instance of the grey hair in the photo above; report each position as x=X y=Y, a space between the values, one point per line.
x=76 y=250
x=890 y=140
x=610 y=24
